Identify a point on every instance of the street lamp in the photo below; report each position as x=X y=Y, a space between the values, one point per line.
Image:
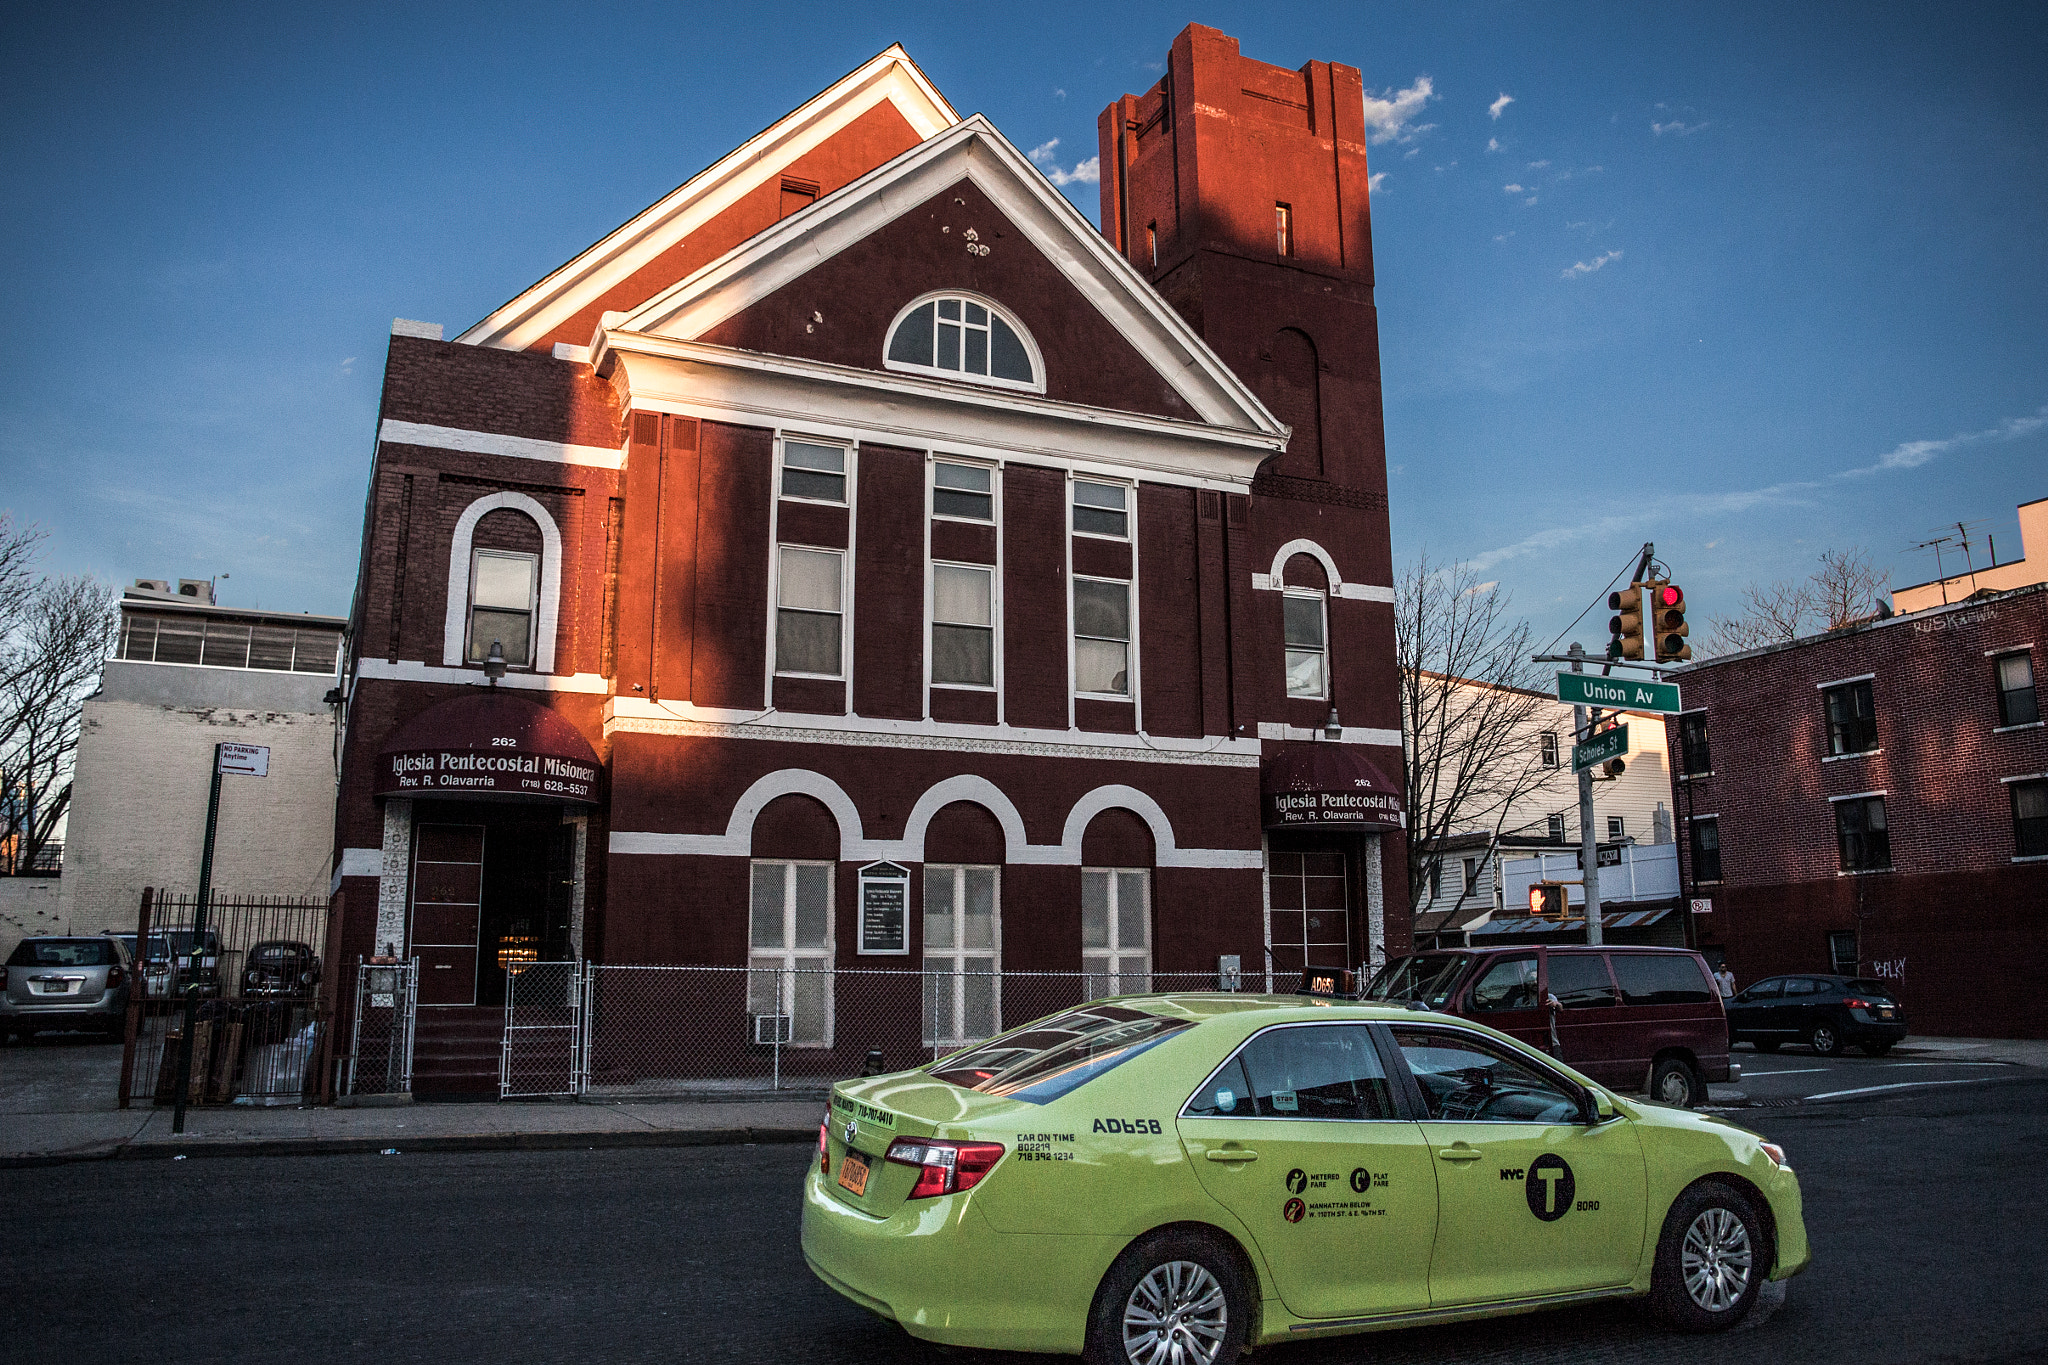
x=1333 y=729
x=494 y=663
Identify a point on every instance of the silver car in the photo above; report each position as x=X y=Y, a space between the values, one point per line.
x=65 y=983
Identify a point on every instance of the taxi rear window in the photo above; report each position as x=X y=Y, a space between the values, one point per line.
x=1059 y=1055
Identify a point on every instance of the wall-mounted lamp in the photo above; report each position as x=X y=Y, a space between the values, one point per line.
x=494 y=663
x=1333 y=729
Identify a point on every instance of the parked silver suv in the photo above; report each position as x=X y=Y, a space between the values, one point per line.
x=65 y=983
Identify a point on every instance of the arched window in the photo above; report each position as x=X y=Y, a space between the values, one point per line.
x=957 y=336
x=504 y=583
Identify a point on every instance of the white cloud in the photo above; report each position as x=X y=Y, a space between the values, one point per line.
x=1374 y=181
x=1588 y=267
x=1503 y=102
x=1493 y=144
x=1530 y=200
x=1913 y=454
x=1044 y=150
x=1390 y=116
x=1682 y=129
x=1059 y=94
x=1538 y=165
x=1085 y=173
x=1512 y=189
x=1503 y=236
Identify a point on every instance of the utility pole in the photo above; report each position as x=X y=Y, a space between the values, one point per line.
x=1589 y=847
x=191 y=1024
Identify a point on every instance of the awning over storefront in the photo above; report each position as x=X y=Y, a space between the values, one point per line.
x=1327 y=786
x=489 y=743
x=1532 y=924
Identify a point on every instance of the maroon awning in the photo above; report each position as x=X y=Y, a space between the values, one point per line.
x=489 y=743
x=1319 y=785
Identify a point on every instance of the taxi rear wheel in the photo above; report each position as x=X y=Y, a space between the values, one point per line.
x=1711 y=1260
x=1179 y=1298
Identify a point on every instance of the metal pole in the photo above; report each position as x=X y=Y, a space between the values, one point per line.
x=138 y=993
x=1589 y=846
x=198 y=948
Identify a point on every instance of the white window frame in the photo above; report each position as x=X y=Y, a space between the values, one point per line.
x=845 y=449
x=994 y=491
x=845 y=557
x=1130 y=510
x=1037 y=384
x=956 y=955
x=1617 y=827
x=1547 y=749
x=787 y=958
x=1074 y=638
x=1555 y=822
x=532 y=607
x=1102 y=961
x=1322 y=602
x=994 y=627
x=455 y=622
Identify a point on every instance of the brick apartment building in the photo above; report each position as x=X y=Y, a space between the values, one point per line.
x=1874 y=801
x=859 y=506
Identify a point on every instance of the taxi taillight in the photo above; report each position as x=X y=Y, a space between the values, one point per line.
x=944 y=1167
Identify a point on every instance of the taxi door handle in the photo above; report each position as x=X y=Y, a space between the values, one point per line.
x=1230 y=1154
x=1458 y=1153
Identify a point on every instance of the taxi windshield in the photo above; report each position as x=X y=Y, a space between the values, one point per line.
x=1428 y=977
x=1058 y=1055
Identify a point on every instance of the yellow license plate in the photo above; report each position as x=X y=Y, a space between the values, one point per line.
x=853 y=1172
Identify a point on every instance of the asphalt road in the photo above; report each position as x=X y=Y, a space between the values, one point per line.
x=1924 y=1208
x=1796 y=1073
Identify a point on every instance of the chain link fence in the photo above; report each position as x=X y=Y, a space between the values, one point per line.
x=711 y=1031
x=380 y=1043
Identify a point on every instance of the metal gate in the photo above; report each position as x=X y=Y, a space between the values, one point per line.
x=544 y=1044
x=380 y=1044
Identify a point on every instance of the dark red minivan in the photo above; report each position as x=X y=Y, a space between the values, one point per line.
x=1646 y=1019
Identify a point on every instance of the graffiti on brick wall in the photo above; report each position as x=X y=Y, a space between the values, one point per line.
x=1891 y=969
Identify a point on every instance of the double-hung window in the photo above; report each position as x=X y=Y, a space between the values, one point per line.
x=2029 y=819
x=789 y=959
x=1102 y=509
x=1694 y=757
x=1706 y=849
x=963 y=625
x=1102 y=637
x=1116 y=931
x=965 y=492
x=502 y=586
x=2017 y=702
x=1554 y=826
x=1308 y=673
x=808 y=616
x=1860 y=829
x=962 y=954
x=1547 y=753
x=1852 y=718
x=812 y=471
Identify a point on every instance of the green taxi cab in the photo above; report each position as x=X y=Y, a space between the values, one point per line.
x=1182 y=1178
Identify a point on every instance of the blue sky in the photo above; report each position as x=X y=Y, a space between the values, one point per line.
x=1749 y=281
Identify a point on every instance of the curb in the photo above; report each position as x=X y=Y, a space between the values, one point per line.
x=472 y=1142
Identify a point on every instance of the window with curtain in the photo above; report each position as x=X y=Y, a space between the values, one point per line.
x=1116 y=931
x=502 y=589
x=962 y=954
x=1102 y=636
x=1308 y=673
x=808 y=614
x=2017 y=702
x=963 y=625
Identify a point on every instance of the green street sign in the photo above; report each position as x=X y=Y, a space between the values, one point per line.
x=1601 y=747
x=1619 y=694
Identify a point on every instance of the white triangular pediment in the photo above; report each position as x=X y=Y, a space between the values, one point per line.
x=890 y=77
x=973 y=150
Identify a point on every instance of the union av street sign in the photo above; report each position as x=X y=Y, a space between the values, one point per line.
x=1621 y=694
x=1601 y=747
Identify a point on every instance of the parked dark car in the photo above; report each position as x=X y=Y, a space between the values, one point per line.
x=65 y=983
x=1646 y=1019
x=1826 y=1013
x=281 y=969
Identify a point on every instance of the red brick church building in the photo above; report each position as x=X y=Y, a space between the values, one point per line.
x=860 y=506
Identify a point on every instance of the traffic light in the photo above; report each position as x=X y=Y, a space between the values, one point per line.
x=1667 y=621
x=1546 y=900
x=1625 y=627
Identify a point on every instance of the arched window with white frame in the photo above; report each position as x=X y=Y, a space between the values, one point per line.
x=963 y=336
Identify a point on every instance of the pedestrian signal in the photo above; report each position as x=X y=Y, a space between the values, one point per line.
x=1546 y=900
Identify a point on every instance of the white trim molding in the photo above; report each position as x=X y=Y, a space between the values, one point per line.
x=1844 y=682
x=1353 y=734
x=414 y=670
x=496 y=443
x=1355 y=592
x=456 y=627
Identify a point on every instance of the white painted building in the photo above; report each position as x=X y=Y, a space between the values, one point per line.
x=186 y=675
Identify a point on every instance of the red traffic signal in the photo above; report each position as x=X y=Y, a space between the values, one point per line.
x=1667 y=622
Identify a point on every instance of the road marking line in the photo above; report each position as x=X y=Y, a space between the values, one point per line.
x=1901 y=1085
x=1897 y=1064
x=1802 y=1071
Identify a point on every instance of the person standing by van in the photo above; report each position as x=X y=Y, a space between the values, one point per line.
x=1725 y=979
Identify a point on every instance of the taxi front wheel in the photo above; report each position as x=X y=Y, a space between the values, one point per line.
x=1711 y=1260
x=1178 y=1297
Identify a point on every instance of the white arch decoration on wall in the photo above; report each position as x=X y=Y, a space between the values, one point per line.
x=1276 y=580
x=456 y=631
x=970 y=787
x=739 y=829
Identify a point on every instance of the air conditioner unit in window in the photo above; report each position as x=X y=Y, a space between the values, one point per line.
x=771 y=1028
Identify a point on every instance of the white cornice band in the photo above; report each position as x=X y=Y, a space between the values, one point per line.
x=494 y=443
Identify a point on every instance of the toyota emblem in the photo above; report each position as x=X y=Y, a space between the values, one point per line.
x=851 y=1129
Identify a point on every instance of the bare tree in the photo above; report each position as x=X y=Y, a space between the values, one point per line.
x=1845 y=589
x=55 y=635
x=1469 y=700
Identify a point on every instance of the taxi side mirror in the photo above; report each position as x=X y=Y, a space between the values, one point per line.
x=1601 y=1108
